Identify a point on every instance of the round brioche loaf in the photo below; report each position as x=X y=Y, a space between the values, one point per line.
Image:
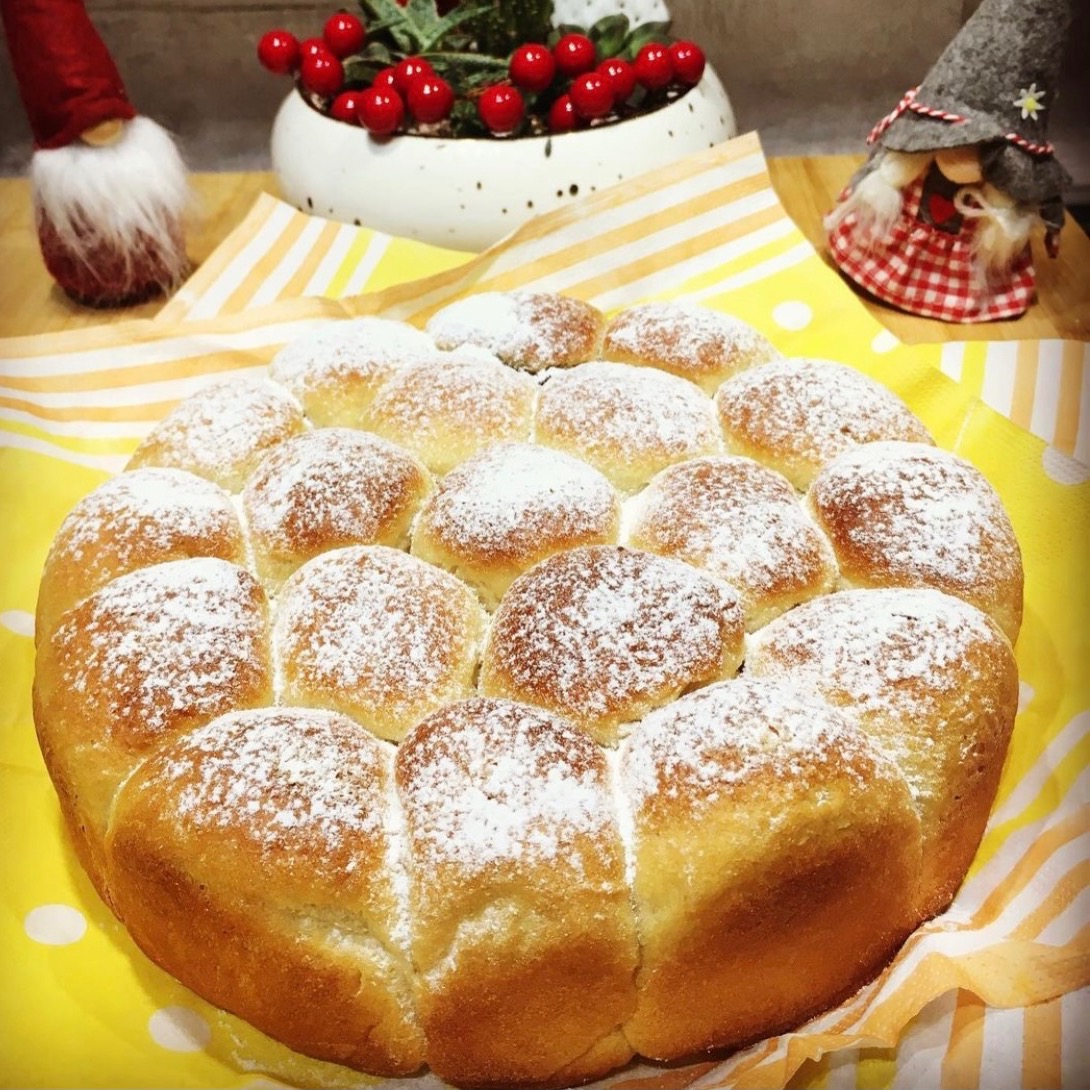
x=424 y=713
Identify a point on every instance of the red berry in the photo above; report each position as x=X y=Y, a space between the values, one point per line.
x=386 y=80
x=346 y=107
x=621 y=75
x=562 y=115
x=381 y=112
x=430 y=99
x=574 y=54
x=501 y=107
x=311 y=47
x=591 y=95
x=532 y=67
x=344 y=34
x=321 y=73
x=688 y=60
x=278 y=51
x=409 y=69
x=654 y=68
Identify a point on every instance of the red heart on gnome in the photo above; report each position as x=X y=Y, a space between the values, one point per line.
x=940 y=208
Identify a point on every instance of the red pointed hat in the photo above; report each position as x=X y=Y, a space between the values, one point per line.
x=67 y=78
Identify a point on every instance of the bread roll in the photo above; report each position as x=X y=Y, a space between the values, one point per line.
x=796 y=415
x=254 y=858
x=703 y=345
x=329 y=488
x=510 y=506
x=910 y=515
x=777 y=858
x=152 y=654
x=529 y=331
x=336 y=369
x=601 y=635
x=377 y=635
x=628 y=422
x=138 y=519
x=933 y=681
x=743 y=523
x=517 y=892
x=222 y=431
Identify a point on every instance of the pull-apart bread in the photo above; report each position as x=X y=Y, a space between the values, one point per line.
x=532 y=692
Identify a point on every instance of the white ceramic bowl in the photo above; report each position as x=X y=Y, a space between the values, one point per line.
x=467 y=194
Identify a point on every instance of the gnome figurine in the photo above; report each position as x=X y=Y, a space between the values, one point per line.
x=110 y=189
x=938 y=221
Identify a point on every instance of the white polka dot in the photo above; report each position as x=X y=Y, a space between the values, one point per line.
x=1025 y=695
x=793 y=315
x=55 y=925
x=1062 y=469
x=884 y=342
x=179 y=1029
x=18 y=621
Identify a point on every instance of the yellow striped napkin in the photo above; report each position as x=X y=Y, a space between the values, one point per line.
x=993 y=992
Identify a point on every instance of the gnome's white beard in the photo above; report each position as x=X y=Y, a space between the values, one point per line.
x=1003 y=230
x=132 y=192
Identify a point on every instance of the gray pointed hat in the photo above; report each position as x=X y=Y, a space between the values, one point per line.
x=994 y=85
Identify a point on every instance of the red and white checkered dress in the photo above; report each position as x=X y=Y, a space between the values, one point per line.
x=925 y=270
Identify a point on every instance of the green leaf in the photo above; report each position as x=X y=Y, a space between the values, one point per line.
x=643 y=35
x=609 y=35
x=459 y=16
x=467 y=71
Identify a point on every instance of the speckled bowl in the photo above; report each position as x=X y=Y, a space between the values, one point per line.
x=467 y=194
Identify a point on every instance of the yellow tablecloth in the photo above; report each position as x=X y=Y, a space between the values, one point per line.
x=991 y=992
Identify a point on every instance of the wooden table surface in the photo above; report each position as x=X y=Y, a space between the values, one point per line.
x=31 y=303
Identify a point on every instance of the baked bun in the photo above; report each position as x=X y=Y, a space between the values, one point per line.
x=377 y=635
x=510 y=506
x=448 y=409
x=909 y=515
x=336 y=370
x=154 y=653
x=763 y=822
x=628 y=422
x=222 y=432
x=703 y=345
x=527 y=330
x=439 y=740
x=796 y=415
x=138 y=519
x=933 y=681
x=603 y=634
x=517 y=890
x=270 y=833
x=743 y=523
x=329 y=488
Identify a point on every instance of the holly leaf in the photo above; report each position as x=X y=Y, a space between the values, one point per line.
x=645 y=34
x=609 y=35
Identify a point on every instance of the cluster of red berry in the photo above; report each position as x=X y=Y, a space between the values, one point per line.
x=590 y=88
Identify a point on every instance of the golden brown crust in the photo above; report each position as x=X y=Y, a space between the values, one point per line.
x=703 y=345
x=933 y=681
x=137 y=519
x=377 y=635
x=523 y=934
x=603 y=634
x=742 y=522
x=327 y=489
x=529 y=331
x=910 y=515
x=763 y=823
x=251 y=859
x=509 y=507
x=796 y=415
x=222 y=432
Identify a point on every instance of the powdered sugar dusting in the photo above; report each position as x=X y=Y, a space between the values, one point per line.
x=514 y=499
x=918 y=513
x=709 y=741
x=175 y=643
x=597 y=631
x=489 y=783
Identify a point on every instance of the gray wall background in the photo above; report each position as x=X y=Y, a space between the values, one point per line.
x=811 y=75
